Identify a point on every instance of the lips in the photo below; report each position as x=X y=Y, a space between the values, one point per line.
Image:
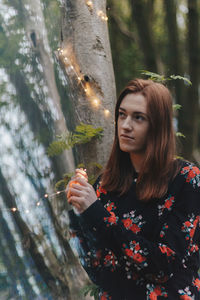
x=124 y=136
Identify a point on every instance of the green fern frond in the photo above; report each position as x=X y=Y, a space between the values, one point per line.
x=179 y=134
x=154 y=76
x=83 y=134
x=57 y=147
x=177 y=107
x=90 y=289
x=175 y=77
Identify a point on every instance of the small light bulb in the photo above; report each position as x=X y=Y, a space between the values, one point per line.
x=95 y=102
x=14 y=209
x=46 y=195
x=57 y=193
x=38 y=203
x=89 y=3
x=106 y=112
x=27 y=211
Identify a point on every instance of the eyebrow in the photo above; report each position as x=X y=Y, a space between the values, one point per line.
x=135 y=112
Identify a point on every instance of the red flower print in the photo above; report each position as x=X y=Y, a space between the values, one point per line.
x=129 y=252
x=137 y=247
x=187 y=223
x=138 y=258
x=196 y=282
x=112 y=219
x=166 y=250
x=127 y=222
x=191 y=172
x=153 y=296
x=98 y=193
x=110 y=206
x=105 y=296
x=135 y=228
x=185 y=297
x=103 y=191
x=194 y=248
x=158 y=291
x=192 y=231
x=108 y=257
x=169 y=202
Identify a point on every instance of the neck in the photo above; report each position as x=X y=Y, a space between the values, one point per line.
x=137 y=160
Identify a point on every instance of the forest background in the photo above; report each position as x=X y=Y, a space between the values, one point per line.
x=56 y=73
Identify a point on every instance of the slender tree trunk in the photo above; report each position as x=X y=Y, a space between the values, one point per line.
x=175 y=55
x=37 y=34
x=86 y=48
x=141 y=16
x=189 y=115
x=63 y=278
x=14 y=264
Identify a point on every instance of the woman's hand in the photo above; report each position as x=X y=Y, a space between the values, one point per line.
x=80 y=194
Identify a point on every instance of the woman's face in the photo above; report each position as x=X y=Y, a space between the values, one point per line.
x=133 y=124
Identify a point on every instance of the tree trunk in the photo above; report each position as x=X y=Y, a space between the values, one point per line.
x=175 y=56
x=14 y=264
x=36 y=32
x=86 y=54
x=141 y=16
x=189 y=114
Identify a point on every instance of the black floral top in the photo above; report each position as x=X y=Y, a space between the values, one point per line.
x=136 y=250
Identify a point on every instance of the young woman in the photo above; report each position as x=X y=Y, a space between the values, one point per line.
x=139 y=225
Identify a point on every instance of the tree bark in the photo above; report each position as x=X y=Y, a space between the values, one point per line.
x=141 y=17
x=175 y=56
x=86 y=47
x=36 y=32
x=189 y=115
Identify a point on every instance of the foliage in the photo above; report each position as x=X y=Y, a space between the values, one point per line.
x=179 y=134
x=83 y=134
x=162 y=79
x=177 y=107
x=94 y=169
x=90 y=289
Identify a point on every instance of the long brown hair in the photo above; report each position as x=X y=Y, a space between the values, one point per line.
x=159 y=164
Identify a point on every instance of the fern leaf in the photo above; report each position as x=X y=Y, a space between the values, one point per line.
x=179 y=134
x=175 y=77
x=177 y=107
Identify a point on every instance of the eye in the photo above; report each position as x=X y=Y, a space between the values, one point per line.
x=139 y=118
x=121 y=114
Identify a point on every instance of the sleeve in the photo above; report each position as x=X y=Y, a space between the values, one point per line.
x=177 y=240
x=84 y=242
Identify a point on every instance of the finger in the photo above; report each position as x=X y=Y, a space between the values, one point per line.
x=82 y=181
x=76 y=191
x=76 y=205
x=77 y=186
x=75 y=199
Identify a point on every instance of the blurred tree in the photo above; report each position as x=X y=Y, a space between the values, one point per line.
x=189 y=115
x=87 y=63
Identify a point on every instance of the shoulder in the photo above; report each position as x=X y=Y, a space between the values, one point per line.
x=190 y=174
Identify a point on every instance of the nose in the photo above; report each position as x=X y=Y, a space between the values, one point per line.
x=127 y=124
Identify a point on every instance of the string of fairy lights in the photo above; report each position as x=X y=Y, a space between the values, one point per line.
x=70 y=64
x=83 y=80
x=14 y=209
